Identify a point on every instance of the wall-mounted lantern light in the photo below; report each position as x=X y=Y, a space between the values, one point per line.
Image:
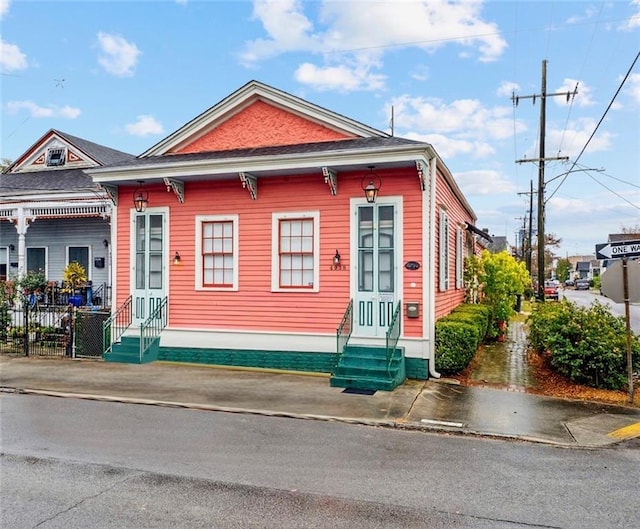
x=177 y=259
x=371 y=189
x=336 y=259
x=12 y=247
x=140 y=197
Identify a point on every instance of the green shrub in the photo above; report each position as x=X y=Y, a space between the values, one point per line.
x=473 y=314
x=456 y=343
x=587 y=345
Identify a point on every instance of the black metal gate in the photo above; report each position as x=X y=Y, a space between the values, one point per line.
x=31 y=329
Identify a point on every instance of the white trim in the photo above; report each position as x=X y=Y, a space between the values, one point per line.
x=459 y=258
x=268 y=341
x=275 y=249
x=444 y=280
x=397 y=202
x=89 y=257
x=46 y=259
x=244 y=97
x=235 y=219
x=430 y=280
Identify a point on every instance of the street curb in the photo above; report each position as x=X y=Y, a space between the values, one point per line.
x=393 y=424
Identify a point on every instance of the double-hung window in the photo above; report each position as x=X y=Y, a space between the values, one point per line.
x=217 y=239
x=295 y=249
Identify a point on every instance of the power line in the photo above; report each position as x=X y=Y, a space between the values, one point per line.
x=599 y=123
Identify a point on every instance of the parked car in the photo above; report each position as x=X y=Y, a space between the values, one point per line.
x=551 y=290
x=569 y=283
x=583 y=284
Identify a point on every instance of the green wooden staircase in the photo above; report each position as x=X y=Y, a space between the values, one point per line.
x=369 y=368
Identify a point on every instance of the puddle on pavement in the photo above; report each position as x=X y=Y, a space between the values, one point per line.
x=505 y=363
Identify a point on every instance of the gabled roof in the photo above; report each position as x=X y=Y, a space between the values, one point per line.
x=249 y=94
x=583 y=266
x=30 y=175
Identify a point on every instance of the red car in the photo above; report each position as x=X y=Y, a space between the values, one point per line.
x=551 y=290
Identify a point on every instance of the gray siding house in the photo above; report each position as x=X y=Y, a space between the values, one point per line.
x=52 y=213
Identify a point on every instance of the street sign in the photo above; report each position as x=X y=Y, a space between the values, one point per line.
x=611 y=283
x=614 y=250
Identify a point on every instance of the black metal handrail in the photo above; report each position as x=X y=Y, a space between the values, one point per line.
x=393 y=334
x=114 y=327
x=343 y=332
x=152 y=327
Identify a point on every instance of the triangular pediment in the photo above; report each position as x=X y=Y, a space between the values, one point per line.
x=258 y=115
x=52 y=151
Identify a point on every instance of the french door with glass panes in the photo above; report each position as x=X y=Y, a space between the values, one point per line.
x=376 y=233
x=149 y=276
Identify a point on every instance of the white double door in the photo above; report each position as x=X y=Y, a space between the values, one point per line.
x=149 y=258
x=376 y=253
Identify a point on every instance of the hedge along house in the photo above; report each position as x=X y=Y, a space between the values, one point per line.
x=52 y=213
x=267 y=223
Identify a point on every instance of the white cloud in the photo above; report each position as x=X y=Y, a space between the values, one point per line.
x=37 y=111
x=581 y=99
x=571 y=140
x=484 y=182
x=4 y=7
x=462 y=116
x=347 y=40
x=11 y=58
x=119 y=57
x=633 y=87
x=144 y=126
x=338 y=78
x=634 y=19
x=448 y=147
x=507 y=89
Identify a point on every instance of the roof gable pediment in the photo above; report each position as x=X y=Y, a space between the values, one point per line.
x=258 y=115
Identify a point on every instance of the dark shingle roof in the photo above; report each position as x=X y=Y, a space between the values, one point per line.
x=103 y=155
x=60 y=180
x=280 y=150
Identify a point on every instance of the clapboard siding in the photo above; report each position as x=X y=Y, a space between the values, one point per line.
x=254 y=306
x=56 y=235
x=446 y=301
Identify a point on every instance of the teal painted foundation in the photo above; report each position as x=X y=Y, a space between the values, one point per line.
x=417 y=368
x=312 y=362
x=285 y=360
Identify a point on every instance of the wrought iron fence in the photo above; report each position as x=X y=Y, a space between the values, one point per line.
x=343 y=332
x=393 y=334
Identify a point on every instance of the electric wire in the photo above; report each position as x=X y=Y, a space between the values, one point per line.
x=575 y=162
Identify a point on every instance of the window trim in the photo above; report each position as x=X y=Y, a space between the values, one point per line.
x=200 y=219
x=459 y=258
x=89 y=260
x=275 y=249
x=46 y=258
x=443 y=251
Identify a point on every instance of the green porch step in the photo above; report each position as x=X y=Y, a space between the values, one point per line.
x=127 y=351
x=362 y=367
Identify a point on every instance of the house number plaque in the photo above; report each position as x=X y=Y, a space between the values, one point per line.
x=412 y=265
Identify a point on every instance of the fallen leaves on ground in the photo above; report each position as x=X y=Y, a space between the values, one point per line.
x=549 y=382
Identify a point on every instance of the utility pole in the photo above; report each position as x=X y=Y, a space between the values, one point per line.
x=527 y=257
x=541 y=159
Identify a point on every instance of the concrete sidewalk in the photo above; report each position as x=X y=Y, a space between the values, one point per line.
x=429 y=406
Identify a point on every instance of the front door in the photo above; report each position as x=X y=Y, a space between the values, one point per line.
x=149 y=278
x=376 y=279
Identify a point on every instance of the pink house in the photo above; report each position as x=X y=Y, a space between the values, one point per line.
x=252 y=243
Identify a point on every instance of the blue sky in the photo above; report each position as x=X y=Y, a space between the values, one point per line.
x=126 y=74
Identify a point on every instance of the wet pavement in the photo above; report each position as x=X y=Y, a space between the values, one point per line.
x=434 y=405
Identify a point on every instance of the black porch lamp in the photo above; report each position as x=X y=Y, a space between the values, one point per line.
x=140 y=197
x=371 y=190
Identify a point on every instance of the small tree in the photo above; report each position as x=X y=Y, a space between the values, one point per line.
x=74 y=276
x=501 y=278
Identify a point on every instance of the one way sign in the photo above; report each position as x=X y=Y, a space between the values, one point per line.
x=614 y=250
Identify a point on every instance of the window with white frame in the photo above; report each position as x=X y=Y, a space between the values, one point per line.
x=36 y=259
x=295 y=250
x=80 y=255
x=217 y=252
x=444 y=251
x=459 y=257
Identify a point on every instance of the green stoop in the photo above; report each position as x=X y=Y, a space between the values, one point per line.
x=362 y=367
x=127 y=351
